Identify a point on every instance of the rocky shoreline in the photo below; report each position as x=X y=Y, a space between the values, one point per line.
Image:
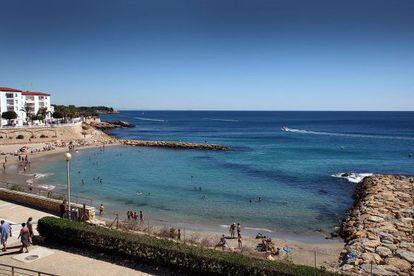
x=173 y=145
x=379 y=229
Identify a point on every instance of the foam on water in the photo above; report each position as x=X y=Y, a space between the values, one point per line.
x=352 y=177
x=303 y=131
x=149 y=119
x=222 y=120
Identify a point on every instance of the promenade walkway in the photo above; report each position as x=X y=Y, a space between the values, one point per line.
x=51 y=260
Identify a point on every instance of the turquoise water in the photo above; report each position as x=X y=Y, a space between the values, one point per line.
x=291 y=171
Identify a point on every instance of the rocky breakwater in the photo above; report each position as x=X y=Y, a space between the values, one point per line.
x=379 y=230
x=111 y=125
x=174 y=145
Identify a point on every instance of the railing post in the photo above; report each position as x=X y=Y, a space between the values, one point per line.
x=12 y=271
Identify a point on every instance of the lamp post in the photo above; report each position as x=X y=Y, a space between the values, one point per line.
x=68 y=156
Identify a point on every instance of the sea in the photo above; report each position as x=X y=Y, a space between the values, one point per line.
x=283 y=173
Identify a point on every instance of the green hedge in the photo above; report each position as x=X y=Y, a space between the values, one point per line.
x=162 y=252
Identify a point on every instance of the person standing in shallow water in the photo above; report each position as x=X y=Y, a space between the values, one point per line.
x=101 y=209
x=24 y=237
x=141 y=217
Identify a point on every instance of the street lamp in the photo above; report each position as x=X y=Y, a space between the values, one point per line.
x=68 y=156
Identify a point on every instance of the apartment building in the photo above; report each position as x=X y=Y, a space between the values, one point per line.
x=24 y=103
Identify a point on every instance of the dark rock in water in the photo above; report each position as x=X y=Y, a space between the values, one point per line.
x=121 y=124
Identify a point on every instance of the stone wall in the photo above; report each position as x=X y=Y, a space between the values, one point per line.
x=379 y=231
x=40 y=134
x=40 y=202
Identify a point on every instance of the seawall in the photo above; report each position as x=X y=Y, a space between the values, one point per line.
x=49 y=205
x=173 y=145
x=379 y=229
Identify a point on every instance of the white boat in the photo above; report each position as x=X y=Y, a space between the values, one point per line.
x=284 y=128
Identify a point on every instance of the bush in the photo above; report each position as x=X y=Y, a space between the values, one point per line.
x=43 y=136
x=16 y=188
x=20 y=136
x=162 y=252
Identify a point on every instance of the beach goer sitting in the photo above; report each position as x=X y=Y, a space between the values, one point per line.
x=24 y=237
x=222 y=243
x=5 y=232
x=259 y=236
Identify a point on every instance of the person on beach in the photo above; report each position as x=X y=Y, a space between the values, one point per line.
x=141 y=217
x=239 y=241
x=238 y=229
x=4 y=167
x=128 y=215
x=222 y=243
x=24 y=237
x=29 y=225
x=5 y=159
x=179 y=234
x=135 y=215
x=101 y=209
x=232 y=230
x=5 y=232
x=62 y=209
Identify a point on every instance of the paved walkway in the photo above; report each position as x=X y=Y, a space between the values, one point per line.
x=51 y=260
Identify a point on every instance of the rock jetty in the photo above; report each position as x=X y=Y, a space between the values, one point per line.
x=111 y=125
x=173 y=145
x=379 y=230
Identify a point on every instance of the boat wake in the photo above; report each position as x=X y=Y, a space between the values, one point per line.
x=222 y=120
x=302 y=131
x=149 y=119
x=352 y=177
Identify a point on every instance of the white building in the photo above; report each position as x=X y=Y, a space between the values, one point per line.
x=23 y=103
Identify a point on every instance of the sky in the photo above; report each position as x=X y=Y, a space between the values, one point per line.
x=212 y=54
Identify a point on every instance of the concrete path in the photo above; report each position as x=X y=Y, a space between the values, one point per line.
x=48 y=260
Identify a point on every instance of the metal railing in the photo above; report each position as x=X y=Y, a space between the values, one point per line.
x=15 y=270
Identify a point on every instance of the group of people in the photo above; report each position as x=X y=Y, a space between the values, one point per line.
x=234 y=227
x=267 y=245
x=133 y=215
x=24 y=162
x=25 y=235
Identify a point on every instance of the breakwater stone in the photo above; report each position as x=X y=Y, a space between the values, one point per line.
x=174 y=145
x=379 y=229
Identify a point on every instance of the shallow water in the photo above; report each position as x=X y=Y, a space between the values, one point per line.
x=291 y=171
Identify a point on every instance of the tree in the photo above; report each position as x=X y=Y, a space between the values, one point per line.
x=9 y=115
x=41 y=113
x=28 y=110
x=57 y=115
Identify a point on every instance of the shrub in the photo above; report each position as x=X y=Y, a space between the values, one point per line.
x=16 y=188
x=43 y=136
x=20 y=136
x=162 y=252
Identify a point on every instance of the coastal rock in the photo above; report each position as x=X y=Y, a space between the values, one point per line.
x=379 y=228
x=402 y=264
x=383 y=251
x=376 y=269
x=407 y=255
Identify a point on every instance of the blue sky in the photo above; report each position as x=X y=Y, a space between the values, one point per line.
x=235 y=55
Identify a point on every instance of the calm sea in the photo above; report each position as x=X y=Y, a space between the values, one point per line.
x=271 y=178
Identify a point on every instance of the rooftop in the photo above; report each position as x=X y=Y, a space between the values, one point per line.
x=35 y=93
x=8 y=89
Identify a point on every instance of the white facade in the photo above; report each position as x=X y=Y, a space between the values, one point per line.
x=18 y=101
